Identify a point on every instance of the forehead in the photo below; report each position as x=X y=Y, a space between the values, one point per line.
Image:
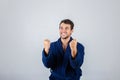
x=64 y=25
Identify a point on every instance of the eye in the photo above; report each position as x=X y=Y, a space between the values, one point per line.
x=60 y=27
x=66 y=28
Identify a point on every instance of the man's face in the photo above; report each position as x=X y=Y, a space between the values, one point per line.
x=65 y=30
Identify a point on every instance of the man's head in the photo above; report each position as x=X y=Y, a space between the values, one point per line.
x=66 y=28
x=68 y=21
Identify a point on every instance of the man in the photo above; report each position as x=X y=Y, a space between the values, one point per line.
x=65 y=56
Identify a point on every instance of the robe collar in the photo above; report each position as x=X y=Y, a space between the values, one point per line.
x=60 y=44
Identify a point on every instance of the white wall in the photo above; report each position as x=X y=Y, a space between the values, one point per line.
x=24 y=24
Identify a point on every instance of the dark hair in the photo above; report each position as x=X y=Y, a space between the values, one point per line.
x=68 y=21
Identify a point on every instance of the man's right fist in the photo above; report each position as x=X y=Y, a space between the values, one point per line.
x=46 y=45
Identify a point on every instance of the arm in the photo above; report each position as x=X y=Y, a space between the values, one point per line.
x=48 y=54
x=77 y=61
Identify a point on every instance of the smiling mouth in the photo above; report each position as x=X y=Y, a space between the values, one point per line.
x=64 y=34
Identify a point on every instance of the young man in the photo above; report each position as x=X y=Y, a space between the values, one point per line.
x=65 y=56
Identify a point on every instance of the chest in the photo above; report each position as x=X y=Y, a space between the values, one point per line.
x=64 y=47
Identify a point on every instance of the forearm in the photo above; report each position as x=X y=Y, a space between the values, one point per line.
x=77 y=61
x=48 y=59
x=74 y=53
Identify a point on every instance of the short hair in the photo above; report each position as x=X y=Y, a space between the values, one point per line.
x=68 y=21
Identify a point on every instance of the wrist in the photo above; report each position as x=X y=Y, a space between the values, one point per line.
x=46 y=51
x=74 y=52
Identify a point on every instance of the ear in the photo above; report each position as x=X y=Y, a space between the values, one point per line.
x=72 y=31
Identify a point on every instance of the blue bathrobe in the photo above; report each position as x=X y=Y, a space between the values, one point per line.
x=62 y=65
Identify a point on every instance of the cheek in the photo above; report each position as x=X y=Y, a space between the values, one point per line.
x=60 y=31
x=70 y=32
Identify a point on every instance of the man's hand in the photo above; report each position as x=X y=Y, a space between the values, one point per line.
x=46 y=45
x=73 y=46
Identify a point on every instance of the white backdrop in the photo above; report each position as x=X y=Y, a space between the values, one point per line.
x=24 y=24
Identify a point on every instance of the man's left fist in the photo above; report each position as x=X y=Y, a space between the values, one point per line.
x=73 y=47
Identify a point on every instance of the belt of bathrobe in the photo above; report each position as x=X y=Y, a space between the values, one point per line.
x=60 y=76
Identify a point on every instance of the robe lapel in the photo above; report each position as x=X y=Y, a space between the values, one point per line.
x=60 y=48
x=65 y=54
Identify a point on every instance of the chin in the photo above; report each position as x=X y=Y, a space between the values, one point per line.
x=65 y=37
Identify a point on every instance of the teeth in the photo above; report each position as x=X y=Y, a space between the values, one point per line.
x=63 y=34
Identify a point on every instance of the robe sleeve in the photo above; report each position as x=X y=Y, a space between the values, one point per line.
x=48 y=60
x=78 y=60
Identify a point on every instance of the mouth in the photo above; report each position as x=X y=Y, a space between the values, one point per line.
x=63 y=34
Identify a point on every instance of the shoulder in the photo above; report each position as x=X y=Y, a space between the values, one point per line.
x=80 y=45
x=81 y=48
x=54 y=47
x=57 y=42
x=53 y=44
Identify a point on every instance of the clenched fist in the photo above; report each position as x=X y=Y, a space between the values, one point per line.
x=73 y=47
x=46 y=45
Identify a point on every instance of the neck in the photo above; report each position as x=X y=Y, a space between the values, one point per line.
x=65 y=41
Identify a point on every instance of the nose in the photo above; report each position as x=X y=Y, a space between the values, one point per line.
x=63 y=30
